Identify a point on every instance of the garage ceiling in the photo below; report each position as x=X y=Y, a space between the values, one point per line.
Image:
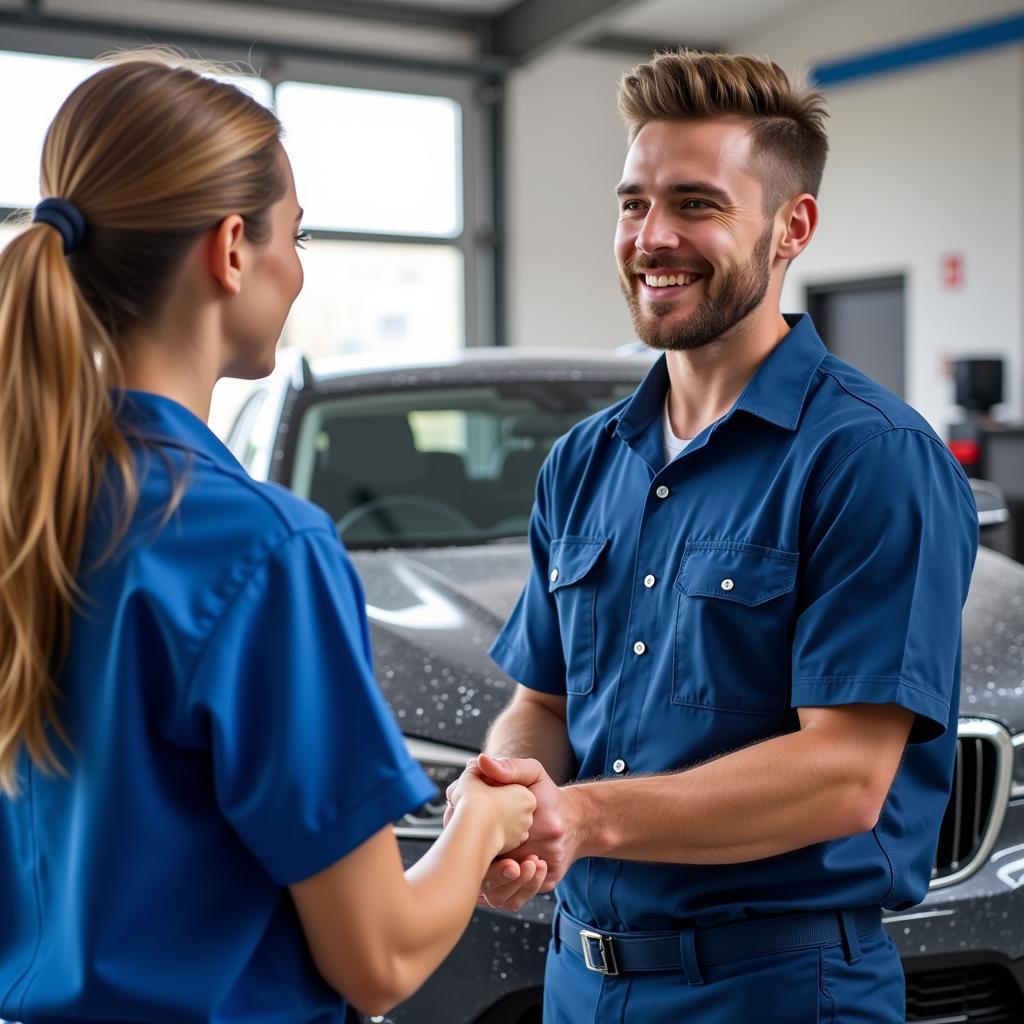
x=490 y=33
x=696 y=20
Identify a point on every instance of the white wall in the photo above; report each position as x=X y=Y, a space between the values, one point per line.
x=924 y=162
x=566 y=145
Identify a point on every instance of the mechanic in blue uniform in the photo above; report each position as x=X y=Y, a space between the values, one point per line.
x=740 y=640
x=196 y=804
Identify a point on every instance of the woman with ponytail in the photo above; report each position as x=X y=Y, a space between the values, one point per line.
x=197 y=772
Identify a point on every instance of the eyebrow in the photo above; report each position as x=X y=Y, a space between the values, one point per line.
x=703 y=188
x=299 y=215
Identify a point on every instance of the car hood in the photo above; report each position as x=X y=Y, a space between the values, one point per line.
x=433 y=616
x=434 y=613
x=993 y=662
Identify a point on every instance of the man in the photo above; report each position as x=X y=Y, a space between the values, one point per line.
x=739 y=646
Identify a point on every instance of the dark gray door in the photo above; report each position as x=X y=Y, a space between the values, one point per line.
x=862 y=322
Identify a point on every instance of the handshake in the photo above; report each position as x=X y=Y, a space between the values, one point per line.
x=534 y=818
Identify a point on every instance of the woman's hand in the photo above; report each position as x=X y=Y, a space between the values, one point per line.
x=510 y=808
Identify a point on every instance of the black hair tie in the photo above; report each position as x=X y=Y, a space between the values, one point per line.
x=67 y=218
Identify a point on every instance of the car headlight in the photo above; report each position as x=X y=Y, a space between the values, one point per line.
x=443 y=765
x=1017 y=787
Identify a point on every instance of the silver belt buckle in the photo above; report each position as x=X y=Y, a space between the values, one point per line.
x=607 y=964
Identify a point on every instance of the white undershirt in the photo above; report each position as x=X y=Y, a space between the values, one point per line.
x=673 y=445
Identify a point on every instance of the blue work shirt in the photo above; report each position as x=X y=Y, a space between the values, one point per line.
x=228 y=740
x=812 y=547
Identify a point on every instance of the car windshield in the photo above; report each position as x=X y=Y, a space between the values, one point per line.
x=437 y=465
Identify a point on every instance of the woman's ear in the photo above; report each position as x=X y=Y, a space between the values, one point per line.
x=225 y=255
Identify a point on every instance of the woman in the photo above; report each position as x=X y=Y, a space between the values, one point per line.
x=198 y=772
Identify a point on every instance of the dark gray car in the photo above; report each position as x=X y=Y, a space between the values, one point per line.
x=429 y=474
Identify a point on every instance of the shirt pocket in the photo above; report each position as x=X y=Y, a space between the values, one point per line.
x=731 y=650
x=573 y=576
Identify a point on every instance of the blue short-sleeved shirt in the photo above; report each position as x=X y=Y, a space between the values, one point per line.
x=229 y=739
x=812 y=547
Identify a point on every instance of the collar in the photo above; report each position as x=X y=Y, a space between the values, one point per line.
x=165 y=422
x=778 y=389
x=775 y=393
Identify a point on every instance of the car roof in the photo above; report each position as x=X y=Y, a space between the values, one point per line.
x=480 y=362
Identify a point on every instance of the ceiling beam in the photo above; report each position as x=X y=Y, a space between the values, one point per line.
x=521 y=33
x=69 y=37
x=368 y=10
x=533 y=26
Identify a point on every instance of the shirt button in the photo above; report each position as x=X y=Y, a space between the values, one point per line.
x=727 y=584
x=639 y=647
x=554 y=576
x=649 y=581
x=618 y=766
x=662 y=491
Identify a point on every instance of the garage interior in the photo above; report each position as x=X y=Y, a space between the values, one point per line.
x=457 y=159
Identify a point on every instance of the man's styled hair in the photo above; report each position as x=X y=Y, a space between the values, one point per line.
x=787 y=120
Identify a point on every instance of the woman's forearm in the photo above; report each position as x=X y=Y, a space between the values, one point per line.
x=376 y=931
x=443 y=888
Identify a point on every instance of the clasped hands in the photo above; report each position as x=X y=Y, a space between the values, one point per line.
x=515 y=877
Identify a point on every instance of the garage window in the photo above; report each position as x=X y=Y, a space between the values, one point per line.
x=41 y=84
x=374 y=161
x=380 y=174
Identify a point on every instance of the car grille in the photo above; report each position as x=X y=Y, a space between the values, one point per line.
x=977 y=802
x=983 y=994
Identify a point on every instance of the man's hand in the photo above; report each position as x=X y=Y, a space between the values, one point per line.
x=541 y=862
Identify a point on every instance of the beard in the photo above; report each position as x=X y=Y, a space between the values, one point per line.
x=738 y=293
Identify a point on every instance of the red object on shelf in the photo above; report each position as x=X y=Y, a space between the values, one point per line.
x=966 y=452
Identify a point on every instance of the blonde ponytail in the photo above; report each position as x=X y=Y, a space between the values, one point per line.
x=58 y=431
x=153 y=155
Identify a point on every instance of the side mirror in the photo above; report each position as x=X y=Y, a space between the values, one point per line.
x=992 y=508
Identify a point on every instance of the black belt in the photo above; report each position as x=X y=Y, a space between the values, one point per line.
x=619 y=952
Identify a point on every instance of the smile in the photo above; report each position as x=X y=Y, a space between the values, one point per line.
x=669 y=280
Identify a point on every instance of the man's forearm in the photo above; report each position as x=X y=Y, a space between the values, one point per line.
x=775 y=796
x=529 y=728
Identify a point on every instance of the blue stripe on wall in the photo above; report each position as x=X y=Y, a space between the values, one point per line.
x=951 y=44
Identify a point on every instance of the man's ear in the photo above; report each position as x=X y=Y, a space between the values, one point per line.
x=799 y=219
x=225 y=256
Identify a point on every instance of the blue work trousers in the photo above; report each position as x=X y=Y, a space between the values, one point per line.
x=817 y=985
